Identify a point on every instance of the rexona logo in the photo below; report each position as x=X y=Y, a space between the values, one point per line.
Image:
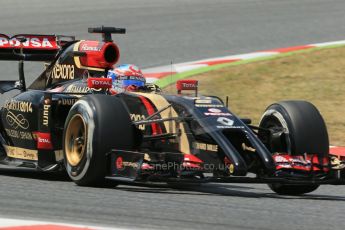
x=65 y=72
x=30 y=43
x=86 y=47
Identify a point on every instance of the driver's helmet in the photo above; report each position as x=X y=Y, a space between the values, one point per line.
x=127 y=77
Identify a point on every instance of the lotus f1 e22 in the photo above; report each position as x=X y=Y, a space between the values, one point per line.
x=68 y=120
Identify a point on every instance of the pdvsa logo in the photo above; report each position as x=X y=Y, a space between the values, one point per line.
x=31 y=42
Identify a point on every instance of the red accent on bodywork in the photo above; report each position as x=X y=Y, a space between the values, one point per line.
x=119 y=163
x=99 y=83
x=309 y=162
x=99 y=54
x=36 y=42
x=156 y=129
x=186 y=85
x=192 y=158
x=192 y=162
x=44 y=141
x=337 y=151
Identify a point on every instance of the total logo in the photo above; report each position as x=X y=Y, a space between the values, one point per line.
x=100 y=83
x=189 y=85
x=43 y=140
x=216 y=112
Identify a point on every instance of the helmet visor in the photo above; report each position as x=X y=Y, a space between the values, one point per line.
x=138 y=83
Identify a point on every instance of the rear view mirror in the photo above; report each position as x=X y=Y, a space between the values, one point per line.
x=183 y=85
x=6 y=86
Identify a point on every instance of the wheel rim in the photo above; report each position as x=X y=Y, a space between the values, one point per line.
x=274 y=121
x=75 y=140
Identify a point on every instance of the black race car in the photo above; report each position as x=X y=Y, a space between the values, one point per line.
x=68 y=120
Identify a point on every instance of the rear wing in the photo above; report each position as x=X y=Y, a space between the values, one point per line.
x=31 y=47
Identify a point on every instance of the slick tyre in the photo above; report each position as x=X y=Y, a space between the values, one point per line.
x=95 y=125
x=304 y=131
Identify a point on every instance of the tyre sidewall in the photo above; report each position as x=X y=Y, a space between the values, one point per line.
x=79 y=171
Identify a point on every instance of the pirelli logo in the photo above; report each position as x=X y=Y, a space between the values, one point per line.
x=21 y=153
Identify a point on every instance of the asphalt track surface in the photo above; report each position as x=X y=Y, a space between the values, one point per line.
x=160 y=32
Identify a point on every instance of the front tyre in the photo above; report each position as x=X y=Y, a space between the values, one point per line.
x=304 y=131
x=95 y=125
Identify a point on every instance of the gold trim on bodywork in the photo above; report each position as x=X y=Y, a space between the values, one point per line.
x=58 y=155
x=170 y=126
x=21 y=153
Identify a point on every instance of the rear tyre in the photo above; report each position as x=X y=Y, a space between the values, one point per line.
x=95 y=125
x=304 y=131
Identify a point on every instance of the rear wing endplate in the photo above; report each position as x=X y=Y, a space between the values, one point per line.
x=31 y=47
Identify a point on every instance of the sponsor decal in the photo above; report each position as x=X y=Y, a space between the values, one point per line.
x=17 y=120
x=138 y=117
x=63 y=71
x=21 y=153
x=218 y=114
x=188 y=85
x=214 y=110
x=99 y=83
x=225 y=121
x=203 y=101
x=86 y=47
x=68 y=101
x=22 y=135
x=77 y=89
x=137 y=78
x=206 y=147
x=46 y=109
x=19 y=106
x=229 y=127
x=208 y=106
x=32 y=42
x=44 y=141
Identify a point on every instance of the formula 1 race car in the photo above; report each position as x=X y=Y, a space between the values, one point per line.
x=68 y=120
